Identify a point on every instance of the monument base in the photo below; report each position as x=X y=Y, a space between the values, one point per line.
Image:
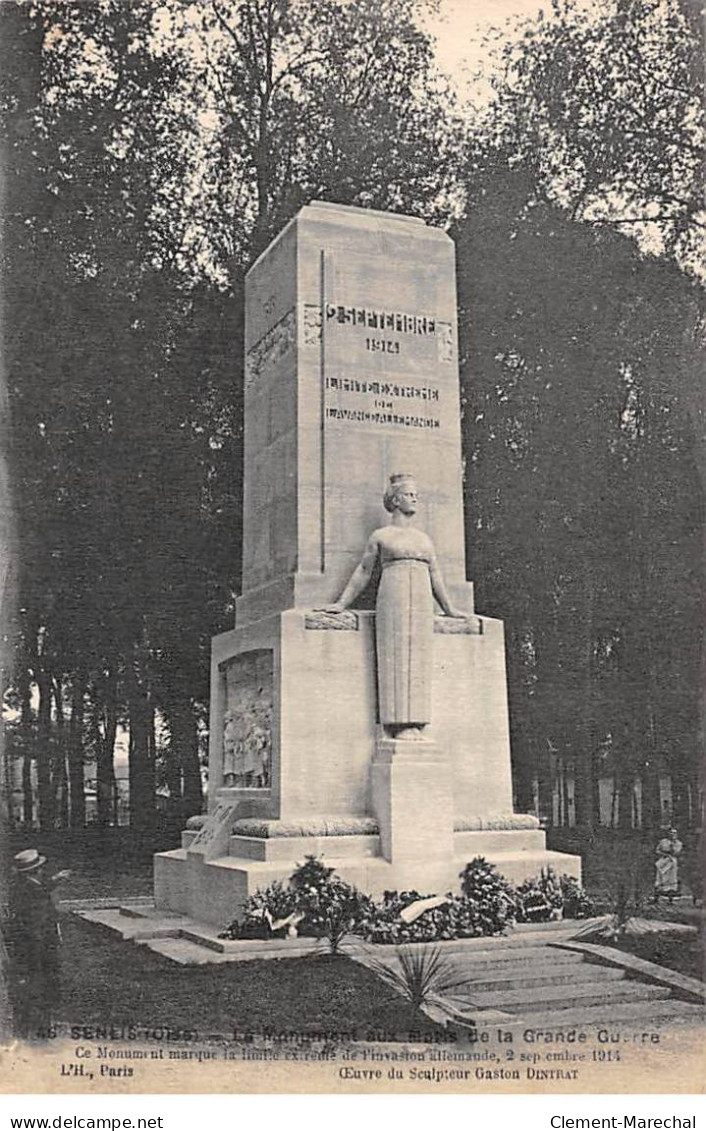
x=398 y=814
x=412 y=798
x=215 y=890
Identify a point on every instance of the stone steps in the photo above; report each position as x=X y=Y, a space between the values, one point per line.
x=189 y=952
x=517 y=955
x=639 y=1012
x=184 y=951
x=534 y=975
x=529 y=980
x=135 y=927
x=536 y=986
x=531 y=939
x=523 y=999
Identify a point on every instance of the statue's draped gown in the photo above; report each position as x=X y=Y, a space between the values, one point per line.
x=404 y=626
x=666 y=866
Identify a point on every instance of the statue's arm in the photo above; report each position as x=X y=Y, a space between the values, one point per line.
x=359 y=579
x=439 y=590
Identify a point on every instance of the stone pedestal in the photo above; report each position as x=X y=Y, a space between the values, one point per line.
x=351 y=374
x=412 y=799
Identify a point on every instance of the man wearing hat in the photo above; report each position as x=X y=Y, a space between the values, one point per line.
x=34 y=945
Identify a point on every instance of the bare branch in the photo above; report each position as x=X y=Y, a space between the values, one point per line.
x=632 y=220
x=234 y=117
x=249 y=63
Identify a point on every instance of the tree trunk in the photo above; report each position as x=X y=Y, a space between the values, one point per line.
x=545 y=777
x=25 y=694
x=142 y=768
x=193 y=786
x=680 y=795
x=520 y=730
x=173 y=776
x=114 y=806
x=27 y=791
x=77 y=794
x=585 y=787
x=59 y=779
x=185 y=743
x=651 y=796
x=43 y=750
x=105 y=748
x=625 y=778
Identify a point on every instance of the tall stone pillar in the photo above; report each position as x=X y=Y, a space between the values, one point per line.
x=351 y=374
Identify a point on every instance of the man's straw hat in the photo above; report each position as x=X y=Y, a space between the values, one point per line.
x=29 y=860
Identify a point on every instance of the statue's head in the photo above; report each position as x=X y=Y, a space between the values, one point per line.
x=401 y=493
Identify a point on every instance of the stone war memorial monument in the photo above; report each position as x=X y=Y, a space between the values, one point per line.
x=359 y=707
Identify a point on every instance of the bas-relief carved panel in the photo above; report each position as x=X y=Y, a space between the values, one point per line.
x=247 y=722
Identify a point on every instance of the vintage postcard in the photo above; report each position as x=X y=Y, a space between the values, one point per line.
x=352 y=599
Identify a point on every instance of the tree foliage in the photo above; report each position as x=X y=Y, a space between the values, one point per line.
x=584 y=499
x=603 y=103
x=152 y=154
x=234 y=113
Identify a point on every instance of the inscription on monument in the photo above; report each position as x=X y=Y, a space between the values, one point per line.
x=381 y=319
x=394 y=403
x=392 y=333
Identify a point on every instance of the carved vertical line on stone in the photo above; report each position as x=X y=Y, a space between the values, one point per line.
x=410 y=646
x=322 y=394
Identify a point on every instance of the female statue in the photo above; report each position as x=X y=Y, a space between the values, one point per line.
x=404 y=610
x=667 y=866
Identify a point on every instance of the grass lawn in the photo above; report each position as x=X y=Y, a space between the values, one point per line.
x=682 y=953
x=610 y=856
x=108 y=982
x=108 y=862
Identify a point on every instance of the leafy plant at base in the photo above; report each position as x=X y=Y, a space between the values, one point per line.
x=486 y=912
x=277 y=900
x=331 y=907
x=577 y=902
x=310 y=876
x=540 y=898
x=549 y=896
x=337 y=913
x=422 y=975
x=382 y=924
x=626 y=902
x=489 y=896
